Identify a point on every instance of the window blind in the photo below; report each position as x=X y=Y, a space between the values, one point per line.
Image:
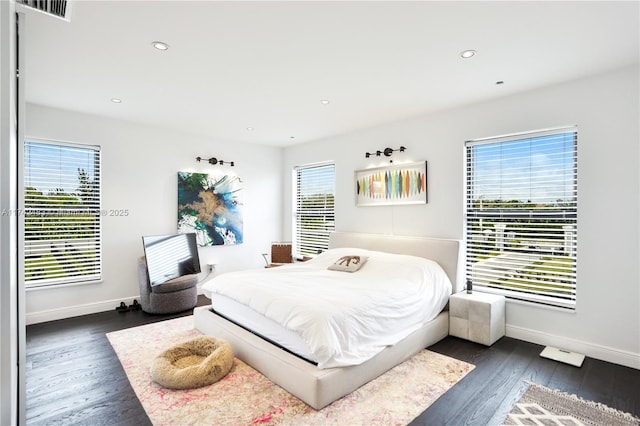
x=62 y=214
x=521 y=216
x=314 y=208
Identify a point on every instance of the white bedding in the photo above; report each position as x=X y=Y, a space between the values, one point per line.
x=267 y=328
x=344 y=318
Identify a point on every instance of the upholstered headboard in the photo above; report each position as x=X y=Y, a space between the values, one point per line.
x=447 y=252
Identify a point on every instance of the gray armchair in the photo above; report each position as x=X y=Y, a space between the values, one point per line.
x=175 y=295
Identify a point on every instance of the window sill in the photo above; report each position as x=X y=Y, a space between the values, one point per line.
x=515 y=298
x=566 y=310
x=61 y=285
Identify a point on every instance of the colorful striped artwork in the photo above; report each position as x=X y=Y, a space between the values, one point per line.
x=397 y=184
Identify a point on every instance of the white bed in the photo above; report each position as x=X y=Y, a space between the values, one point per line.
x=329 y=377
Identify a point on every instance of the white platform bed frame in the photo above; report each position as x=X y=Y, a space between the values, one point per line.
x=320 y=387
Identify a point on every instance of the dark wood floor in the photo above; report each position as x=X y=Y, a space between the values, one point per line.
x=485 y=396
x=74 y=377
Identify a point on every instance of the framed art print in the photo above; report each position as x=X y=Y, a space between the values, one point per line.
x=392 y=185
x=211 y=206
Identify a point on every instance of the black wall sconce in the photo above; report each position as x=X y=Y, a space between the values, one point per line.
x=387 y=152
x=213 y=161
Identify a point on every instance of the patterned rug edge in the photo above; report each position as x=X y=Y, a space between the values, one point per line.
x=563 y=405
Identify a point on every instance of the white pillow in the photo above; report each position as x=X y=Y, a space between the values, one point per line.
x=348 y=263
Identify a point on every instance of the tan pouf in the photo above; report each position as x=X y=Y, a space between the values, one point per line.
x=193 y=364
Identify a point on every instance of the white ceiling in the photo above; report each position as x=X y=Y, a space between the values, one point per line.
x=267 y=65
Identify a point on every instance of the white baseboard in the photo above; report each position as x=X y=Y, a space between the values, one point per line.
x=75 y=311
x=604 y=353
x=78 y=310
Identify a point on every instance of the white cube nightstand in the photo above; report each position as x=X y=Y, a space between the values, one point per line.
x=479 y=317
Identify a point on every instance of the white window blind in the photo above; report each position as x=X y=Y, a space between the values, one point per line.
x=62 y=214
x=521 y=216
x=314 y=208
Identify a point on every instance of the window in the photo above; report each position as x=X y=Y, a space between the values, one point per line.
x=62 y=214
x=314 y=215
x=521 y=216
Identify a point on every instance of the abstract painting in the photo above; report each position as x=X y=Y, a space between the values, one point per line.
x=392 y=185
x=210 y=206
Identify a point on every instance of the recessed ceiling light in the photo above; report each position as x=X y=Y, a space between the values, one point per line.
x=116 y=100
x=467 y=53
x=250 y=129
x=324 y=102
x=160 y=45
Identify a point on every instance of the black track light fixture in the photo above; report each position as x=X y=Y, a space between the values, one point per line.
x=213 y=161
x=387 y=152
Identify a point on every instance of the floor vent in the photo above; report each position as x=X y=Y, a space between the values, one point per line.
x=58 y=8
x=571 y=358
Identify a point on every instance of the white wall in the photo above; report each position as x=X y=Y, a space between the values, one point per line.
x=11 y=338
x=606 y=323
x=139 y=173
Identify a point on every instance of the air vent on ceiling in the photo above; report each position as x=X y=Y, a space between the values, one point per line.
x=58 y=8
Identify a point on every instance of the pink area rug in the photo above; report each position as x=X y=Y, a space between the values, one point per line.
x=246 y=397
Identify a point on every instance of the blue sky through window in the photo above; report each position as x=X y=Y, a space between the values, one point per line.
x=49 y=166
x=316 y=180
x=537 y=169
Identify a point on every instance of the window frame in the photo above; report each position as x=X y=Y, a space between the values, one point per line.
x=536 y=260
x=314 y=241
x=85 y=216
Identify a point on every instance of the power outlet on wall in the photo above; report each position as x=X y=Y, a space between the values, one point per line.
x=211 y=267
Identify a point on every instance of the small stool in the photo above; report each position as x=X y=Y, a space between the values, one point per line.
x=478 y=317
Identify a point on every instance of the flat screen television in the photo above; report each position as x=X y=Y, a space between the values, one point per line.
x=170 y=256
